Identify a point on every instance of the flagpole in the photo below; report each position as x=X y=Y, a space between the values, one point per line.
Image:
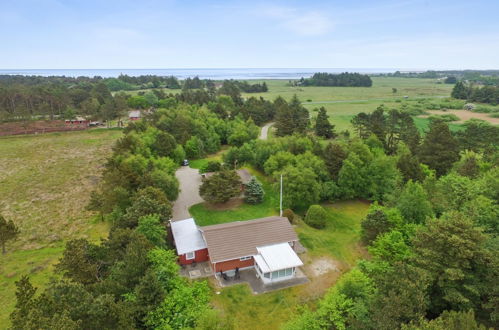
x=280 y=202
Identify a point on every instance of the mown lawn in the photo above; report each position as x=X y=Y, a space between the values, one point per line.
x=45 y=185
x=205 y=214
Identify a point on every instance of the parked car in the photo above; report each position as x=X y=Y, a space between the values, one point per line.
x=185 y=162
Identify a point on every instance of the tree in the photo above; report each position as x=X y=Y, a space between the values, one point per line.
x=316 y=217
x=334 y=155
x=150 y=226
x=8 y=231
x=409 y=167
x=322 y=125
x=448 y=320
x=413 y=203
x=379 y=220
x=79 y=262
x=439 y=149
x=220 y=187
x=300 y=187
x=147 y=201
x=452 y=251
x=460 y=91
x=253 y=192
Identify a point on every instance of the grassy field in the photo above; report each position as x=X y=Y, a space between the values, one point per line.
x=381 y=89
x=45 y=184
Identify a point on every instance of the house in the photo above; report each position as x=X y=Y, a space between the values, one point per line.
x=266 y=245
x=134 y=115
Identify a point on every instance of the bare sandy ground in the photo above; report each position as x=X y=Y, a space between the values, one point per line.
x=464 y=115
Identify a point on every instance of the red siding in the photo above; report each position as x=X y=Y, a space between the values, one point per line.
x=232 y=264
x=200 y=256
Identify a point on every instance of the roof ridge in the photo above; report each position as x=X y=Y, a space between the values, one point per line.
x=239 y=223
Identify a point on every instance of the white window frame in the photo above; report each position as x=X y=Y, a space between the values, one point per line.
x=192 y=254
x=245 y=258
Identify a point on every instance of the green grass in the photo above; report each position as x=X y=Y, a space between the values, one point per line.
x=205 y=215
x=341 y=235
x=381 y=89
x=45 y=184
x=423 y=124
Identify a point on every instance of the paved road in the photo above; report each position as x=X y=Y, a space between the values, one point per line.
x=265 y=131
x=189 y=180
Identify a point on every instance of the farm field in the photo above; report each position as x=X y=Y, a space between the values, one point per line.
x=45 y=184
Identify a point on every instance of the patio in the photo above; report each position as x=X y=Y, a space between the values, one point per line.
x=194 y=271
x=257 y=286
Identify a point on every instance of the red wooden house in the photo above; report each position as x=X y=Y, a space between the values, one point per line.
x=266 y=244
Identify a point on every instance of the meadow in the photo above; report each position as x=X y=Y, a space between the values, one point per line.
x=45 y=186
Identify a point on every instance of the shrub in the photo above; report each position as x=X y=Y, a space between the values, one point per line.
x=288 y=213
x=253 y=193
x=211 y=166
x=316 y=217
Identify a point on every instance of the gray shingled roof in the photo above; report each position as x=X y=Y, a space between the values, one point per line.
x=241 y=238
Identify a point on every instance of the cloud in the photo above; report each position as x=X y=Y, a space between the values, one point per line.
x=303 y=23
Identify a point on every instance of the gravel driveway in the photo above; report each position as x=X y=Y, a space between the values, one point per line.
x=265 y=131
x=189 y=180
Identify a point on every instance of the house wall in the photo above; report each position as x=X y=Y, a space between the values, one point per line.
x=232 y=264
x=200 y=256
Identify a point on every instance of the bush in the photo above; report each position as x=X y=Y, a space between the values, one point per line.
x=253 y=193
x=211 y=166
x=288 y=213
x=316 y=217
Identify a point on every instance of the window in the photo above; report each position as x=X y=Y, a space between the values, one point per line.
x=275 y=274
x=282 y=273
x=266 y=275
x=245 y=258
x=289 y=271
x=190 y=255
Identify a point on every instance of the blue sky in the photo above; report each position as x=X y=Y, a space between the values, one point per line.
x=75 y=34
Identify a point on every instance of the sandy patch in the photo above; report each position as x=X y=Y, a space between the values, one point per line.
x=464 y=115
x=323 y=266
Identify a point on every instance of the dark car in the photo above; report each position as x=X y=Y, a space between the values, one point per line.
x=185 y=162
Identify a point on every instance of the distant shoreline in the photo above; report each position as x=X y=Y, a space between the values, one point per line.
x=202 y=73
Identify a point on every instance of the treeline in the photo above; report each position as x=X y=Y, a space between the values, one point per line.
x=59 y=100
x=483 y=94
x=23 y=97
x=344 y=79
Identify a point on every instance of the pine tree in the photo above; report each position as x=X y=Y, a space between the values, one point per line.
x=460 y=91
x=322 y=125
x=221 y=187
x=334 y=155
x=8 y=231
x=440 y=149
x=253 y=193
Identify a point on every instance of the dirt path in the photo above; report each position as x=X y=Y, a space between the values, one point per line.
x=465 y=115
x=189 y=180
x=265 y=131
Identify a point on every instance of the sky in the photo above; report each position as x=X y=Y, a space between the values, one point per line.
x=100 y=34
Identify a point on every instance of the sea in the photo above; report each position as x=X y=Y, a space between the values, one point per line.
x=202 y=73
